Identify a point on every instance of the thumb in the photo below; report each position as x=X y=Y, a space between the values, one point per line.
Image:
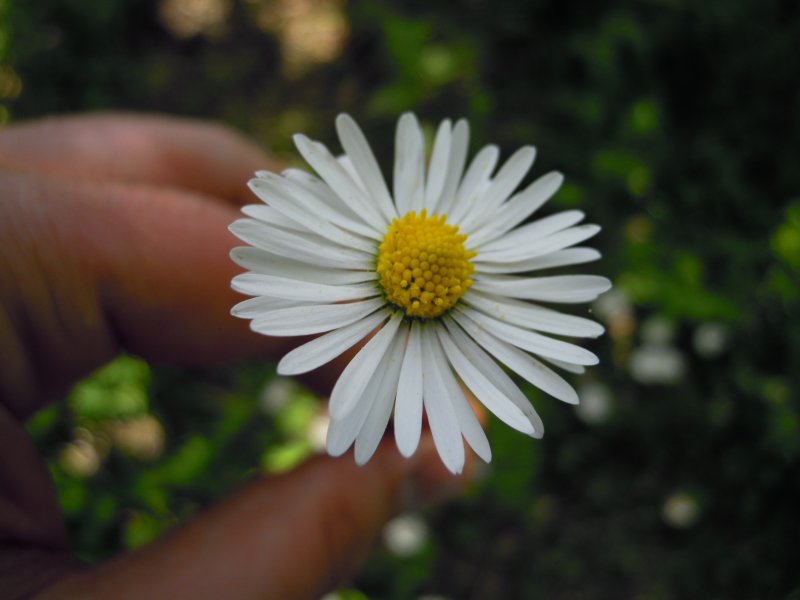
x=291 y=536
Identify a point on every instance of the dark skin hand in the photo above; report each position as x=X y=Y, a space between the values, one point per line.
x=113 y=235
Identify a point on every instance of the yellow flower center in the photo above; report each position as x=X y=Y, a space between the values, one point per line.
x=423 y=265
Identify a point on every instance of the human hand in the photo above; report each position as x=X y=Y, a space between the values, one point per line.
x=113 y=235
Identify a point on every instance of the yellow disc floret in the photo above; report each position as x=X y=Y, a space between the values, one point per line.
x=422 y=264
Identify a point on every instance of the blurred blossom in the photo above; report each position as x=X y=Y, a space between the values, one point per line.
x=188 y=18
x=405 y=535
x=658 y=330
x=710 y=339
x=596 y=403
x=615 y=309
x=310 y=32
x=654 y=364
x=96 y=438
x=276 y=394
x=680 y=510
x=141 y=437
x=79 y=459
x=318 y=431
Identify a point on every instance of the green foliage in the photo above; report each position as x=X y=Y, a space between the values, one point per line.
x=118 y=390
x=786 y=240
x=674 y=122
x=421 y=65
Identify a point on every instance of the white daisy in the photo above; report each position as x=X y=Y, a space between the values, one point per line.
x=439 y=271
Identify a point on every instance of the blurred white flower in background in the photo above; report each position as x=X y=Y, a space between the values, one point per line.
x=656 y=361
x=596 y=405
x=680 y=510
x=188 y=18
x=276 y=394
x=615 y=309
x=710 y=339
x=405 y=535
x=318 y=430
x=658 y=331
x=654 y=364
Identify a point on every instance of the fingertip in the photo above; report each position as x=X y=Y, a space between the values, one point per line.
x=202 y=156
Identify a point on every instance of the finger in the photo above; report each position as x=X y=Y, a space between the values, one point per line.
x=169 y=151
x=88 y=269
x=28 y=507
x=291 y=536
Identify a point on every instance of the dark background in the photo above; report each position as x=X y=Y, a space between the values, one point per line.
x=677 y=124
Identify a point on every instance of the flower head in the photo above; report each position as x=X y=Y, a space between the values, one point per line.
x=440 y=270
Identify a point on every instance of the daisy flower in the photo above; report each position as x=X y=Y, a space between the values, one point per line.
x=439 y=271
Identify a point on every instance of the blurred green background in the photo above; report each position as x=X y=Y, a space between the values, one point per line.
x=677 y=124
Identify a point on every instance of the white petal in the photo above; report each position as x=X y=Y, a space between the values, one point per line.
x=348 y=166
x=359 y=152
x=261 y=261
x=533 y=232
x=340 y=182
x=303 y=206
x=522 y=364
x=467 y=421
x=577 y=369
x=568 y=256
x=304 y=178
x=569 y=289
x=518 y=208
x=378 y=417
x=290 y=200
x=476 y=179
x=437 y=170
x=305 y=247
x=316 y=318
x=343 y=432
x=442 y=416
x=253 y=307
x=265 y=213
x=354 y=378
x=323 y=192
x=316 y=186
x=409 y=165
x=408 y=408
x=535 y=247
x=559 y=258
x=505 y=182
x=529 y=340
x=484 y=378
x=531 y=316
x=459 y=144
x=325 y=348
x=257 y=284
